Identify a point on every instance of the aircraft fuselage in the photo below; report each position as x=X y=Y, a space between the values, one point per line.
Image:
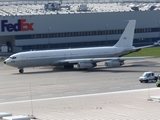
x=50 y=57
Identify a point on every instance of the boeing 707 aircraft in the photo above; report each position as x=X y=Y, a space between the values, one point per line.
x=84 y=58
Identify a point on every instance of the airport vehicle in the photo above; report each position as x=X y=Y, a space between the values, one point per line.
x=85 y=58
x=148 y=77
x=157 y=43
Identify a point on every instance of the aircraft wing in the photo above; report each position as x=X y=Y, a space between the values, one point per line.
x=95 y=60
x=75 y=61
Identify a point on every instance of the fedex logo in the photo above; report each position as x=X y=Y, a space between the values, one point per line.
x=22 y=25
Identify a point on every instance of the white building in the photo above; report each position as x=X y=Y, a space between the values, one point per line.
x=27 y=25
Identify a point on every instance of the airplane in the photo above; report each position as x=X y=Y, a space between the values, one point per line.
x=84 y=58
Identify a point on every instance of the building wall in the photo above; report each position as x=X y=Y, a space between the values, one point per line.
x=81 y=22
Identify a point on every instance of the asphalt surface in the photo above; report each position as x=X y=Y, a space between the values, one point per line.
x=49 y=82
x=98 y=94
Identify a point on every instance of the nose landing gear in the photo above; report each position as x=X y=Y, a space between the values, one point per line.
x=21 y=70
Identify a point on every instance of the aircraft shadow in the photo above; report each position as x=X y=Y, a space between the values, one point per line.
x=111 y=70
x=76 y=70
x=36 y=72
x=100 y=68
x=84 y=71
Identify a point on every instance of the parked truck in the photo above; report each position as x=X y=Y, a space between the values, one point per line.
x=148 y=77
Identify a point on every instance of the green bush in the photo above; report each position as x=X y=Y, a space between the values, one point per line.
x=157 y=84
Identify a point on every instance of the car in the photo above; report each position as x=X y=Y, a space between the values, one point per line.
x=148 y=77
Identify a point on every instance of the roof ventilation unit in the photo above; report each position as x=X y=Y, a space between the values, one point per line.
x=83 y=7
x=135 y=8
x=55 y=6
x=52 y=6
x=152 y=7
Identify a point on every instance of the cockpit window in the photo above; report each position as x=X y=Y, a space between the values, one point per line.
x=13 y=57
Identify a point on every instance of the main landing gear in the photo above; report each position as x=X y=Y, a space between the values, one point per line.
x=68 y=66
x=21 y=70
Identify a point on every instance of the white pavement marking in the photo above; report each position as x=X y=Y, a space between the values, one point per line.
x=70 y=92
x=136 y=86
x=114 y=88
x=93 y=90
x=21 y=97
x=47 y=95
x=76 y=96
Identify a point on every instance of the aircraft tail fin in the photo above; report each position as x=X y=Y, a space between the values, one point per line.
x=126 y=39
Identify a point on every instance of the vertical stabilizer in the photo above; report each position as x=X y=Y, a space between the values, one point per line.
x=126 y=39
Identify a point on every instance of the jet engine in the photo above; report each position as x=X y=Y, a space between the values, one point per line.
x=114 y=63
x=84 y=65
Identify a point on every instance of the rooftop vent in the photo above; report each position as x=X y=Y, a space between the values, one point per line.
x=55 y=6
x=135 y=8
x=152 y=7
x=83 y=7
x=52 y=6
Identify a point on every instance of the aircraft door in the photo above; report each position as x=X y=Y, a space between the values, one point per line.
x=23 y=58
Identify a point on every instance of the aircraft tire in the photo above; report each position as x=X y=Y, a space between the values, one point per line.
x=68 y=66
x=21 y=70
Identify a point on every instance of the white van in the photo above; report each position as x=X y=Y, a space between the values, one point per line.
x=148 y=77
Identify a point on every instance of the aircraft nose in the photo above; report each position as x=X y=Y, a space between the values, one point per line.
x=6 y=61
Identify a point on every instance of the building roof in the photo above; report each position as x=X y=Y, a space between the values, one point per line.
x=23 y=8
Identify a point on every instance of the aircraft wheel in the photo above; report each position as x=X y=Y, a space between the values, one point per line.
x=68 y=66
x=21 y=70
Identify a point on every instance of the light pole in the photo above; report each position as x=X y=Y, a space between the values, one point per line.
x=49 y=37
x=106 y=33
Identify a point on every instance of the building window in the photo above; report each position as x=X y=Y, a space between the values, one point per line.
x=84 y=33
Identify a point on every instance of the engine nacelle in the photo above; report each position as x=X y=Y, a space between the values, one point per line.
x=84 y=65
x=114 y=63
